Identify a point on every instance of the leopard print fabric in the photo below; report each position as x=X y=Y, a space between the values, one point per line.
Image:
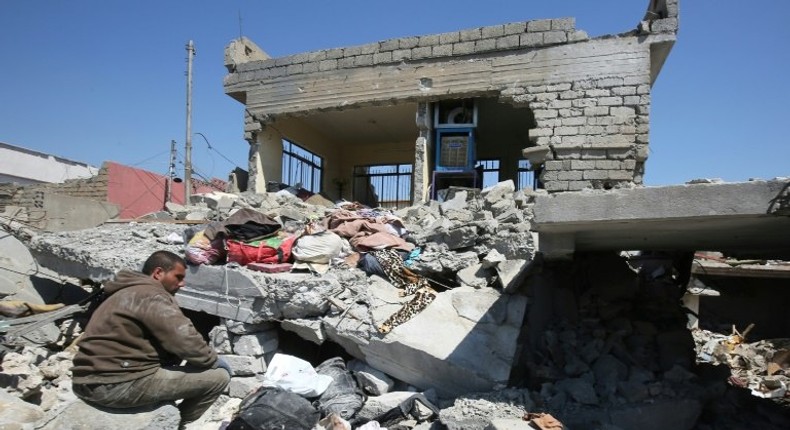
x=409 y=282
x=400 y=276
x=422 y=298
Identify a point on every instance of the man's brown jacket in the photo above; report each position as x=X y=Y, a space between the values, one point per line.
x=138 y=328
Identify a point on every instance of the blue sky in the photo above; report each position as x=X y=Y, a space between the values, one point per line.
x=105 y=80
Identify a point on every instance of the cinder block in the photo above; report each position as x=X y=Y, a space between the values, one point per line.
x=451 y=37
x=327 y=65
x=429 y=40
x=553 y=37
x=408 y=42
x=463 y=48
x=401 y=54
x=421 y=52
x=507 y=42
x=470 y=35
x=539 y=25
x=382 y=57
x=515 y=28
x=563 y=24
x=334 y=53
x=531 y=39
x=388 y=45
x=492 y=31
x=485 y=45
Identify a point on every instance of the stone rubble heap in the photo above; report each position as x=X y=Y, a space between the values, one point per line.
x=598 y=345
x=763 y=366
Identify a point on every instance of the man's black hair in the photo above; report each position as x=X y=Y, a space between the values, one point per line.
x=164 y=259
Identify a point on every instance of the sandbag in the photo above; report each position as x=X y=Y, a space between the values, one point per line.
x=343 y=396
x=273 y=408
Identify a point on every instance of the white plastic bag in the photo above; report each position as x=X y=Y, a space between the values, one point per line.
x=295 y=375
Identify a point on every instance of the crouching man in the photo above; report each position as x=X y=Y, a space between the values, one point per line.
x=130 y=352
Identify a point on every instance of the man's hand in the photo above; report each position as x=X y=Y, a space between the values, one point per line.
x=222 y=364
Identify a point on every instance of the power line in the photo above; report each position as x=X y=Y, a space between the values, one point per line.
x=215 y=150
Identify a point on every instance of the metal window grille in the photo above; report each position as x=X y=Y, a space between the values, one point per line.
x=526 y=176
x=387 y=186
x=490 y=170
x=301 y=166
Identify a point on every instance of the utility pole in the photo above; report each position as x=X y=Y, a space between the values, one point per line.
x=170 y=174
x=188 y=149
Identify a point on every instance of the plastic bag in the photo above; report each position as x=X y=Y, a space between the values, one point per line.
x=295 y=375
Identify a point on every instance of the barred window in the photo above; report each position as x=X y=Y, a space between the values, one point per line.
x=490 y=170
x=301 y=167
x=388 y=186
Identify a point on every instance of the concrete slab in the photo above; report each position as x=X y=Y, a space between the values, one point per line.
x=737 y=218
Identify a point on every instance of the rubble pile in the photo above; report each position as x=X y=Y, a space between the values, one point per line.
x=763 y=367
x=594 y=342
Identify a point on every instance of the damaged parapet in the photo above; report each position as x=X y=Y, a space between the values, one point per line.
x=586 y=101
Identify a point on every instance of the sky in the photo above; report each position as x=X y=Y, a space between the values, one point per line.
x=105 y=80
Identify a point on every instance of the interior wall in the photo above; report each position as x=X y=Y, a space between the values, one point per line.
x=316 y=142
x=502 y=133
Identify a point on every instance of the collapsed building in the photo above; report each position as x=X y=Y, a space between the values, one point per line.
x=520 y=183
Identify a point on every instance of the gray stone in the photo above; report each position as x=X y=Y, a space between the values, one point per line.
x=197 y=214
x=475 y=276
x=15 y=412
x=79 y=415
x=632 y=391
x=373 y=381
x=307 y=329
x=256 y=344
x=493 y=258
x=240 y=387
x=457 y=238
x=244 y=365
x=457 y=202
x=237 y=327
x=220 y=340
x=215 y=200
x=580 y=390
x=678 y=374
x=512 y=273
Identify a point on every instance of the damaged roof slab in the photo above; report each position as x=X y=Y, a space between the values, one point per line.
x=743 y=218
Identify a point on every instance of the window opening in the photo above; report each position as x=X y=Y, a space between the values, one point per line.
x=526 y=176
x=387 y=186
x=301 y=167
x=488 y=172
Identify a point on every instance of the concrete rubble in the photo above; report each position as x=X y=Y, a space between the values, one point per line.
x=597 y=341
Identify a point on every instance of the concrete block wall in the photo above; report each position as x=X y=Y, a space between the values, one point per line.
x=504 y=37
x=590 y=97
x=30 y=198
x=596 y=129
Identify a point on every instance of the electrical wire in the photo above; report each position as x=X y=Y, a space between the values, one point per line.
x=215 y=150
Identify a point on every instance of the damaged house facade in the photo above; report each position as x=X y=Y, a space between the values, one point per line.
x=480 y=140
x=410 y=116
